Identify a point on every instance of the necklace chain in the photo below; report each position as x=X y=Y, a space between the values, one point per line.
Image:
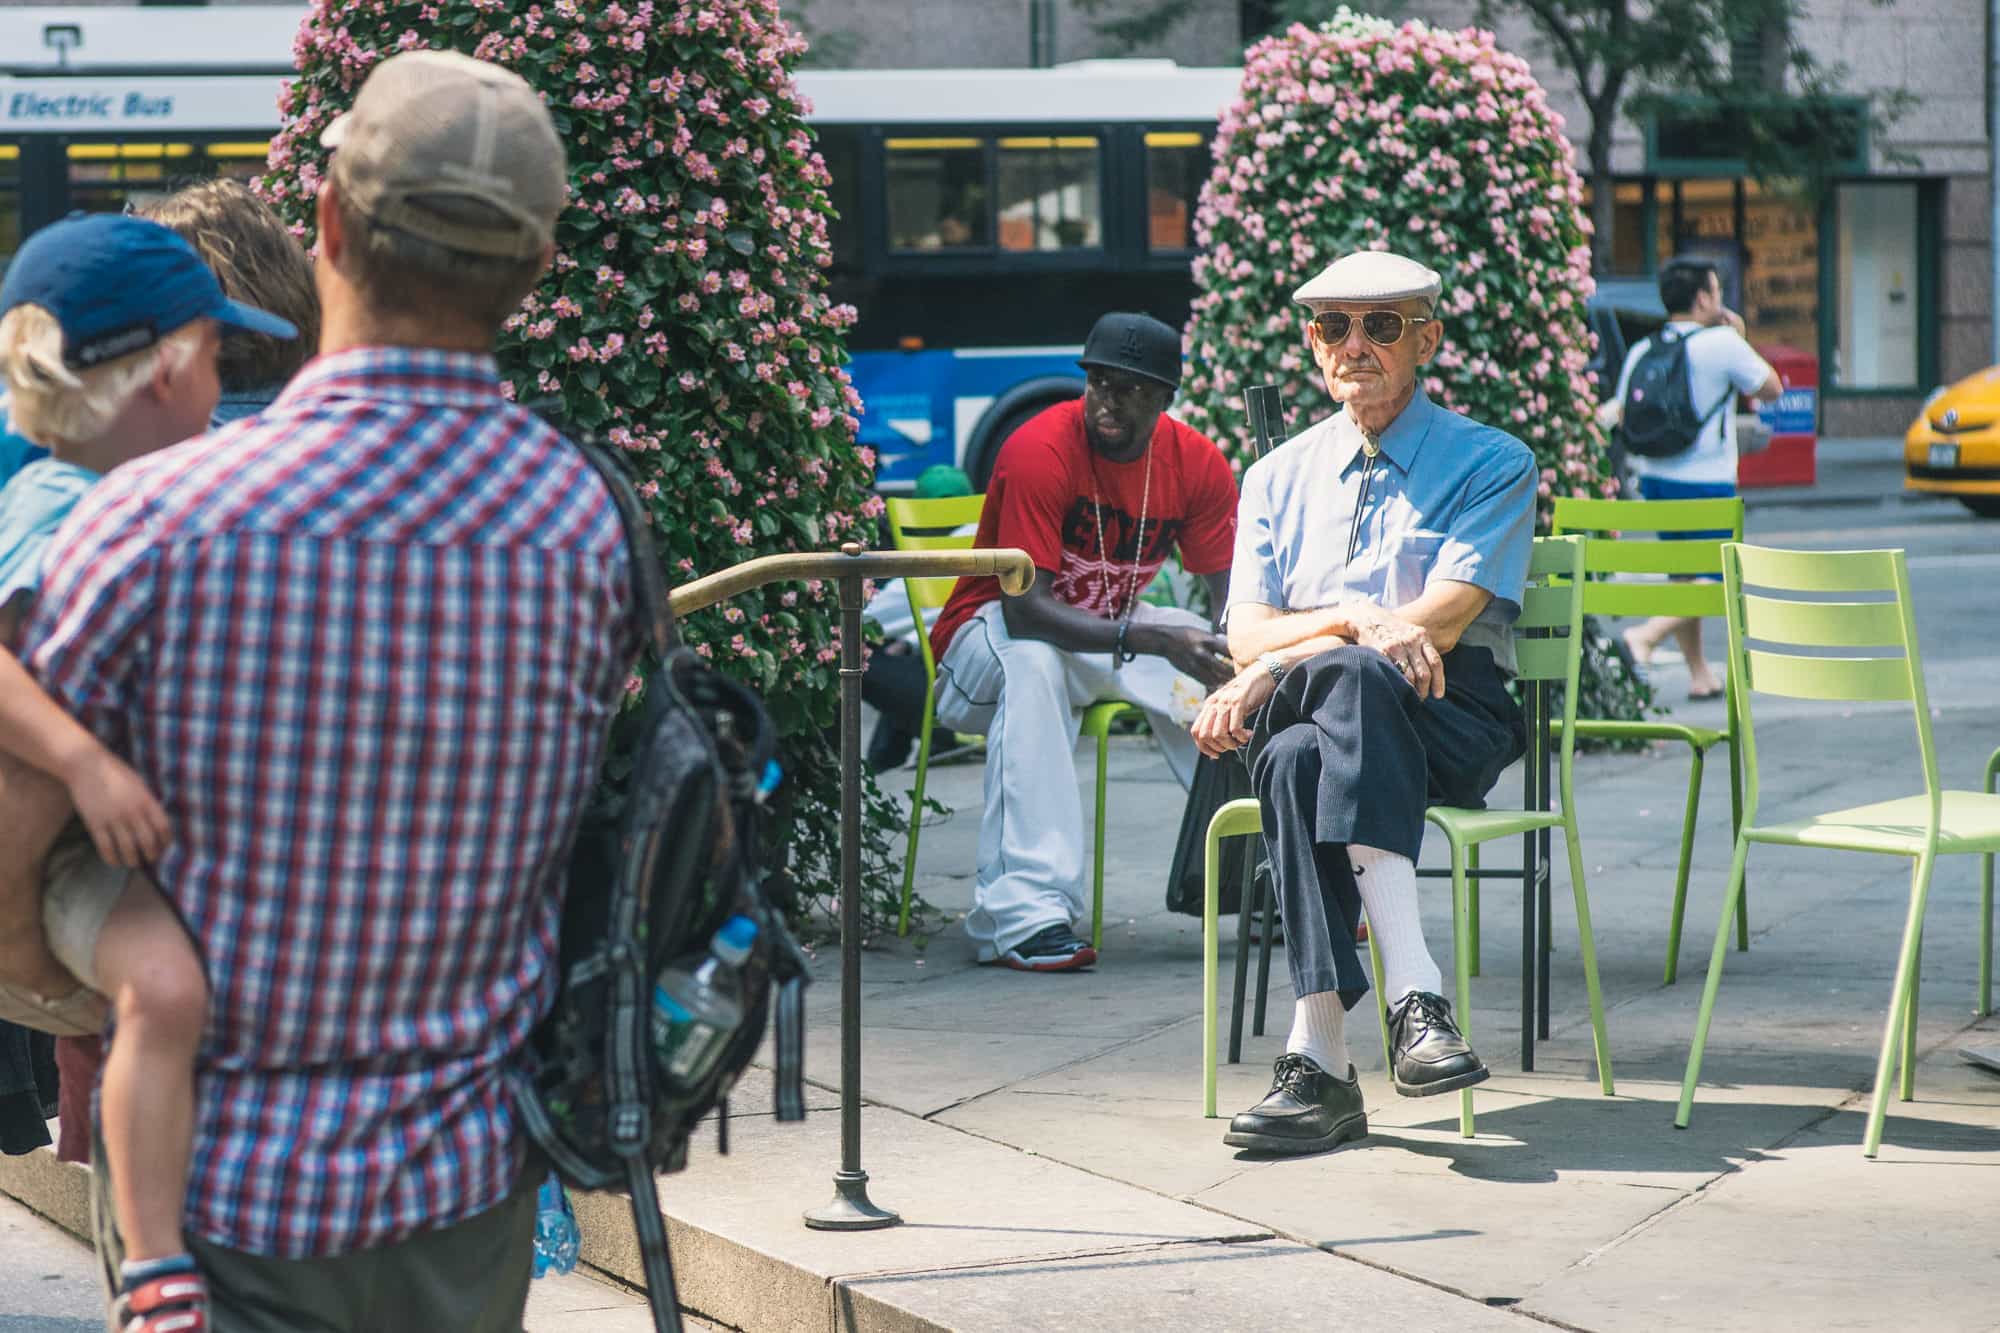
x=1131 y=598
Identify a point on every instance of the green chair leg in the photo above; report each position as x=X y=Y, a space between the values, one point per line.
x=1901 y=994
x=1211 y=946
x=1909 y=1079
x=1736 y=826
x=1695 y=766
x=916 y=820
x=1713 y=983
x=1472 y=874
x=1381 y=1000
x=1587 y=946
x=1097 y=849
x=1986 y=910
x=1461 y=949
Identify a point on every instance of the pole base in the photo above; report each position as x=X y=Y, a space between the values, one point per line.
x=849 y=1209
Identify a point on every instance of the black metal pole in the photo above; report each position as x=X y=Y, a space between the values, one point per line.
x=850 y=1208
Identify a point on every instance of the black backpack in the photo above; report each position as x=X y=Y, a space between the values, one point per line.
x=1660 y=419
x=652 y=877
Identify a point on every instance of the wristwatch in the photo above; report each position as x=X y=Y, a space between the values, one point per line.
x=1273 y=665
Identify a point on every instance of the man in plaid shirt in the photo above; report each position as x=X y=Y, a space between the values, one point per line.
x=366 y=646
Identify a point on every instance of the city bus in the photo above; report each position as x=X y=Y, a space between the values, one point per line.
x=986 y=217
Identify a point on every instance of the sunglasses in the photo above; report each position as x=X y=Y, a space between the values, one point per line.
x=1385 y=328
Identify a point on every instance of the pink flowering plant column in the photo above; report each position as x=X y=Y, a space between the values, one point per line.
x=1360 y=134
x=686 y=319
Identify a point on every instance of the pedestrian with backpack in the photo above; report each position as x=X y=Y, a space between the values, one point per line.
x=1675 y=393
x=366 y=646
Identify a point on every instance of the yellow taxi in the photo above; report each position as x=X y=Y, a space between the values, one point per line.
x=1953 y=447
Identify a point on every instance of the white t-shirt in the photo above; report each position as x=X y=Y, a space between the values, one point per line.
x=1719 y=362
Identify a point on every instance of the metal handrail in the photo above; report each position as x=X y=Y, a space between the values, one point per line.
x=1012 y=567
x=850 y=1208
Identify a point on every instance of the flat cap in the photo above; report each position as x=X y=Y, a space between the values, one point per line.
x=1372 y=275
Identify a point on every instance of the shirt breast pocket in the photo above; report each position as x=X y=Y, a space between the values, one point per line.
x=1414 y=555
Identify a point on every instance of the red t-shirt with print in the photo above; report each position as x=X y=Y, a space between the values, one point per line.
x=1050 y=493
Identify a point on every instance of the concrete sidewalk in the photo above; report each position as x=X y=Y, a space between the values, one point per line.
x=1043 y=1136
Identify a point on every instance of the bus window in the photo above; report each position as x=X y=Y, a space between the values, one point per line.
x=238 y=161
x=1176 y=165
x=107 y=177
x=10 y=202
x=1049 y=193
x=937 y=194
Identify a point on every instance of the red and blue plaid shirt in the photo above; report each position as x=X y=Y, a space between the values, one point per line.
x=365 y=646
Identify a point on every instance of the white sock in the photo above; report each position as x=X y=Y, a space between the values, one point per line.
x=1319 y=1030
x=1388 y=885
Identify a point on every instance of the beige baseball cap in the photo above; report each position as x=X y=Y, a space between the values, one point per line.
x=431 y=127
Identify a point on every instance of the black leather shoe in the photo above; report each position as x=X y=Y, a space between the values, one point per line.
x=1429 y=1054
x=1307 y=1110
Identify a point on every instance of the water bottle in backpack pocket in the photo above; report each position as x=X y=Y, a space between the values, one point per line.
x=698 y=1006
x=557 y=1239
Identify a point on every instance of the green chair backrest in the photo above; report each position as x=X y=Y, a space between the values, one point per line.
x=931 y=525
x=1791 y=612
x=1622 y=554
x=1548 y=635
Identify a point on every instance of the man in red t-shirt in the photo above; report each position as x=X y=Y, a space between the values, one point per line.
x=1098 y=491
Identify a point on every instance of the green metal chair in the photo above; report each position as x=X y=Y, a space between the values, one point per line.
x=1548 y=645
x=938 y=525
x=1607 y=555
x=1789 y=615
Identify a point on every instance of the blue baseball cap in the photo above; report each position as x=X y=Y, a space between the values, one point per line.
x=119 y=284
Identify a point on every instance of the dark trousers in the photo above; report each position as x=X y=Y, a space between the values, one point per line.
x=1346 y=752
x=468 y=1278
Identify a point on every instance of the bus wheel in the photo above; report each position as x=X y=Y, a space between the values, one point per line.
x=1986 y=506
x=1009 y=412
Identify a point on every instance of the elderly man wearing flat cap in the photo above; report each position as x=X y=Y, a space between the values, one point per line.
x=1099 y=491
x=1380 y=556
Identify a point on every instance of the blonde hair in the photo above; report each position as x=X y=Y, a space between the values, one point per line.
x=57 y=407
x=257 y=262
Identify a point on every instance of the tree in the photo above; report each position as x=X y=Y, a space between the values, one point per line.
x=685 y=320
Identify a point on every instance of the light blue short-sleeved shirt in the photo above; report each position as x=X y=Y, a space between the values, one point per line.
x=32 y=506
x=1448 y=498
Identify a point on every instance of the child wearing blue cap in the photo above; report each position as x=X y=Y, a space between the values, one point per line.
x=109 y=330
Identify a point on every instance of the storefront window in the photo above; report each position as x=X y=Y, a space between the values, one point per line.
x=1875 y=240
x=1765 y=245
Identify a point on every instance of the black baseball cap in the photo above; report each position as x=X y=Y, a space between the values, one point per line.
x=1137 y=343
x=119 y=284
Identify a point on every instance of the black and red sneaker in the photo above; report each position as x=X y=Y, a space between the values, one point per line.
x=1051 y=949
x=170 y=1303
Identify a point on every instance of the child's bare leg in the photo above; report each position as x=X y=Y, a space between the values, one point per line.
x=1701 y=680
x=154 y=981
x=33 y=809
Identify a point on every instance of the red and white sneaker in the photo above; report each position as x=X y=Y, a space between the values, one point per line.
x=171 y=1303
x=1051 y=949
